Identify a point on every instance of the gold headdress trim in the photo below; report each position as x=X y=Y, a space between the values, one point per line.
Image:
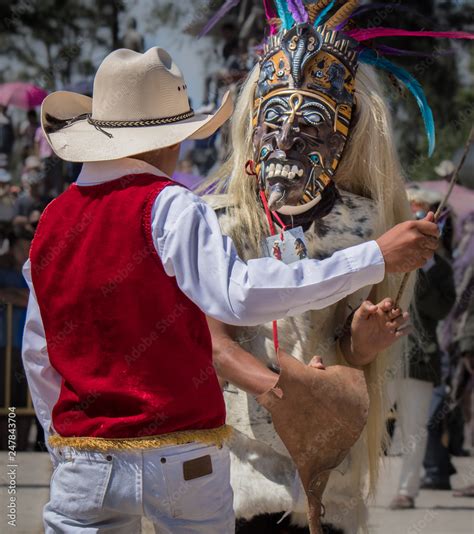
x=343 y=13
x=314 y=9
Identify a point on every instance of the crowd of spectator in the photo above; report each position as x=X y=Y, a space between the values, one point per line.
x=30 y=177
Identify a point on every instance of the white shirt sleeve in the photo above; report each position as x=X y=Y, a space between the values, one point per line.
x=188 y=239
x=43 y=380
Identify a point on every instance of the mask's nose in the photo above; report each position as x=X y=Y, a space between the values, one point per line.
x=286 y=138
x=277 y=197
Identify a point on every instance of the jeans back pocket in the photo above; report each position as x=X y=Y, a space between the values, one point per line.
x=78 y=487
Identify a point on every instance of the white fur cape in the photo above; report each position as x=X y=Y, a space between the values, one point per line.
x=263 y=475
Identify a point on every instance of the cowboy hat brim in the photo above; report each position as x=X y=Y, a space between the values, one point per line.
x=81 y=141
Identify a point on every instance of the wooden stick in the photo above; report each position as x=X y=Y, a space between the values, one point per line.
x=454 y=178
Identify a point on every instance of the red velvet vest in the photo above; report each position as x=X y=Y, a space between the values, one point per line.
x=133 y=351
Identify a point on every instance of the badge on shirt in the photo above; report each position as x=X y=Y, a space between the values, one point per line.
x=288 y=246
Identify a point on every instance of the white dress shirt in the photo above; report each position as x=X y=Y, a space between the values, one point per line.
x=188 y=240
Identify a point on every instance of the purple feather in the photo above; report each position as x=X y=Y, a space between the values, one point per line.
x=298 y=11
x=390 y=51
x=223 y=10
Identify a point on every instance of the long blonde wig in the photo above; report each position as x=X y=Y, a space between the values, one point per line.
x=369 y=167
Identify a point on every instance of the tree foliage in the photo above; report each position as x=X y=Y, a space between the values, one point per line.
x=54 y=39
x=451 y=100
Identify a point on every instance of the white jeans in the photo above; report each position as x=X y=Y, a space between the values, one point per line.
x=110 y=492
x=413 y=403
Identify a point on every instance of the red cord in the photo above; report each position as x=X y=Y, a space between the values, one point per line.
x=280 y=222
x=267 y=212
x=250 y=170
x=276 y=343
x=272 y=232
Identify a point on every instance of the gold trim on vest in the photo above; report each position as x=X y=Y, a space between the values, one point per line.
x=213 y=436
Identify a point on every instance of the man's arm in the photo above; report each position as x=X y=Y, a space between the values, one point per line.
x=43 y=380
x=208 y=270
x=188 y=239
x=235 y=365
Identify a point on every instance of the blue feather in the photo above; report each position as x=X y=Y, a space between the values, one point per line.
x=284 y=14
x=322 y=15
x=370 y=57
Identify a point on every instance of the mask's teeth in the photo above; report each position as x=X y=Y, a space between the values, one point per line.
x=294 y=170
x=278 y=168
x=271 y=170
x=300 y=172
x=291 y=175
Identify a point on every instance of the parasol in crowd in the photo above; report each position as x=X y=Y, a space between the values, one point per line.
x=461 y=199
x=21 y=95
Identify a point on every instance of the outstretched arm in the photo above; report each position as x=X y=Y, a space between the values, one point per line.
x=187 y=237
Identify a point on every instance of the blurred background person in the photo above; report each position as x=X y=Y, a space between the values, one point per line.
x=51 y=165
x=26 y=134
x=433 y=299
x=7 y=199
x=7 y=136
x=451 y=425
x=32 y=195
x=14 y=292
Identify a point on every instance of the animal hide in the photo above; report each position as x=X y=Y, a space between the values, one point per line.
x=319 y=415
x=263 y=476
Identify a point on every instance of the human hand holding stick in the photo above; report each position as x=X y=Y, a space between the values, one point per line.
x=408 y=245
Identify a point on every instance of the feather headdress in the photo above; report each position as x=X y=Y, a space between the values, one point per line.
x=336 y=15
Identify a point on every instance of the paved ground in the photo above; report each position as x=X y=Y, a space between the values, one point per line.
x=436 y=513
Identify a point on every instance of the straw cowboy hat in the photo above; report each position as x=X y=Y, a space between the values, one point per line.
x=140 y=103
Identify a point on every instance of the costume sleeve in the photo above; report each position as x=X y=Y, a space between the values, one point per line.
x=43 y=380
x=188 y=239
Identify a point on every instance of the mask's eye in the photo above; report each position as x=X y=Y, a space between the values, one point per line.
x=264 y=152
x=317 y=73
x=273 y=115
x=313 y=118
x=315 y=159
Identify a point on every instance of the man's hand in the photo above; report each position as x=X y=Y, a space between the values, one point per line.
x=374 y=328
x=409 y=245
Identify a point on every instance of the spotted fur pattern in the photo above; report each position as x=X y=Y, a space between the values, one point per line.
x=263 y=476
